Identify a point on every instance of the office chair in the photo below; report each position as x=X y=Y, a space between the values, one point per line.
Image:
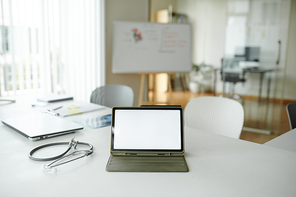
x=291 y=111
x=113 y=95
x=233 y=77
x=218 y=115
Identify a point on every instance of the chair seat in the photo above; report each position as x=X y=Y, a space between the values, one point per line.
x=233 y=78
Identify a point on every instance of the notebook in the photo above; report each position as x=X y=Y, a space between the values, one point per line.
x=38 y=126
x=147 y=139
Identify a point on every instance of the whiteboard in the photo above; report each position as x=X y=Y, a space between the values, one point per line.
x=151 y=47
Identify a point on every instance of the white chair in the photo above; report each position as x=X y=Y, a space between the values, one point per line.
x=216 y=115
x=113 y=95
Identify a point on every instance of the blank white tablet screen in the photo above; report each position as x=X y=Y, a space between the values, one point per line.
x=147 y=129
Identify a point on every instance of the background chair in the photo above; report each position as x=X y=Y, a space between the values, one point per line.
x=216 y=115
x=113 y=95
x=291 y=110
x=231 y=73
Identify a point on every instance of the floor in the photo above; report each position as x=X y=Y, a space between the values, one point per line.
x=265 y=116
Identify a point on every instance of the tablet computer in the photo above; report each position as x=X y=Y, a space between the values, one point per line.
x=140 y=135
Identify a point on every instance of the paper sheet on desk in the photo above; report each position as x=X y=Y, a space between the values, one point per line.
x=95 y=122
x=77 y=109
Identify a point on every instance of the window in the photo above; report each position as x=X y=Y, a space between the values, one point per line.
x=52 y=46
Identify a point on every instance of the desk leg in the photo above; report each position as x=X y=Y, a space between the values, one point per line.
x=268 y=88
x=224 y=88
x=260 y=86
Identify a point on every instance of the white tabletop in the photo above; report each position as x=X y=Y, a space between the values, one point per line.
x=285 y=141
x=218 y=166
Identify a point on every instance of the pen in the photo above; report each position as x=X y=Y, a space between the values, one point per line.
x=52 y=113
x=57 y=108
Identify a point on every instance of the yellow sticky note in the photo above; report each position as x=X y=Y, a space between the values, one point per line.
x=74 y=111
x=72 y=107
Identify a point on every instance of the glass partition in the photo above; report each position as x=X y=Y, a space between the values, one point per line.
x=252 y=67
x=244 y=41
x=244 y=44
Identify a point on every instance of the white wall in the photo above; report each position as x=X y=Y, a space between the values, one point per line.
x=208 y=20
x=127 y=10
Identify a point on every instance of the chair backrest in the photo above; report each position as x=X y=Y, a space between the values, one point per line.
x=216 y=115
x=113 y=95
x=233 y=77
x=291 y=110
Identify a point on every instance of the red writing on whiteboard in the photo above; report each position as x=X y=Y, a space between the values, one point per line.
x=174 y=43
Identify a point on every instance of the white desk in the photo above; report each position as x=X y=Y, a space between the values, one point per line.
x=218 y=166
x=287 y=141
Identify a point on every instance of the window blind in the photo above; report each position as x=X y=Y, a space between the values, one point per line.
x=51 y=46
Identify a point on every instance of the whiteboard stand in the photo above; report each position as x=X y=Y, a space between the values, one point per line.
x=143 y=75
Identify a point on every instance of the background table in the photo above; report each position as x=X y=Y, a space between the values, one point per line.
x=261 y=70
x=218 y=166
